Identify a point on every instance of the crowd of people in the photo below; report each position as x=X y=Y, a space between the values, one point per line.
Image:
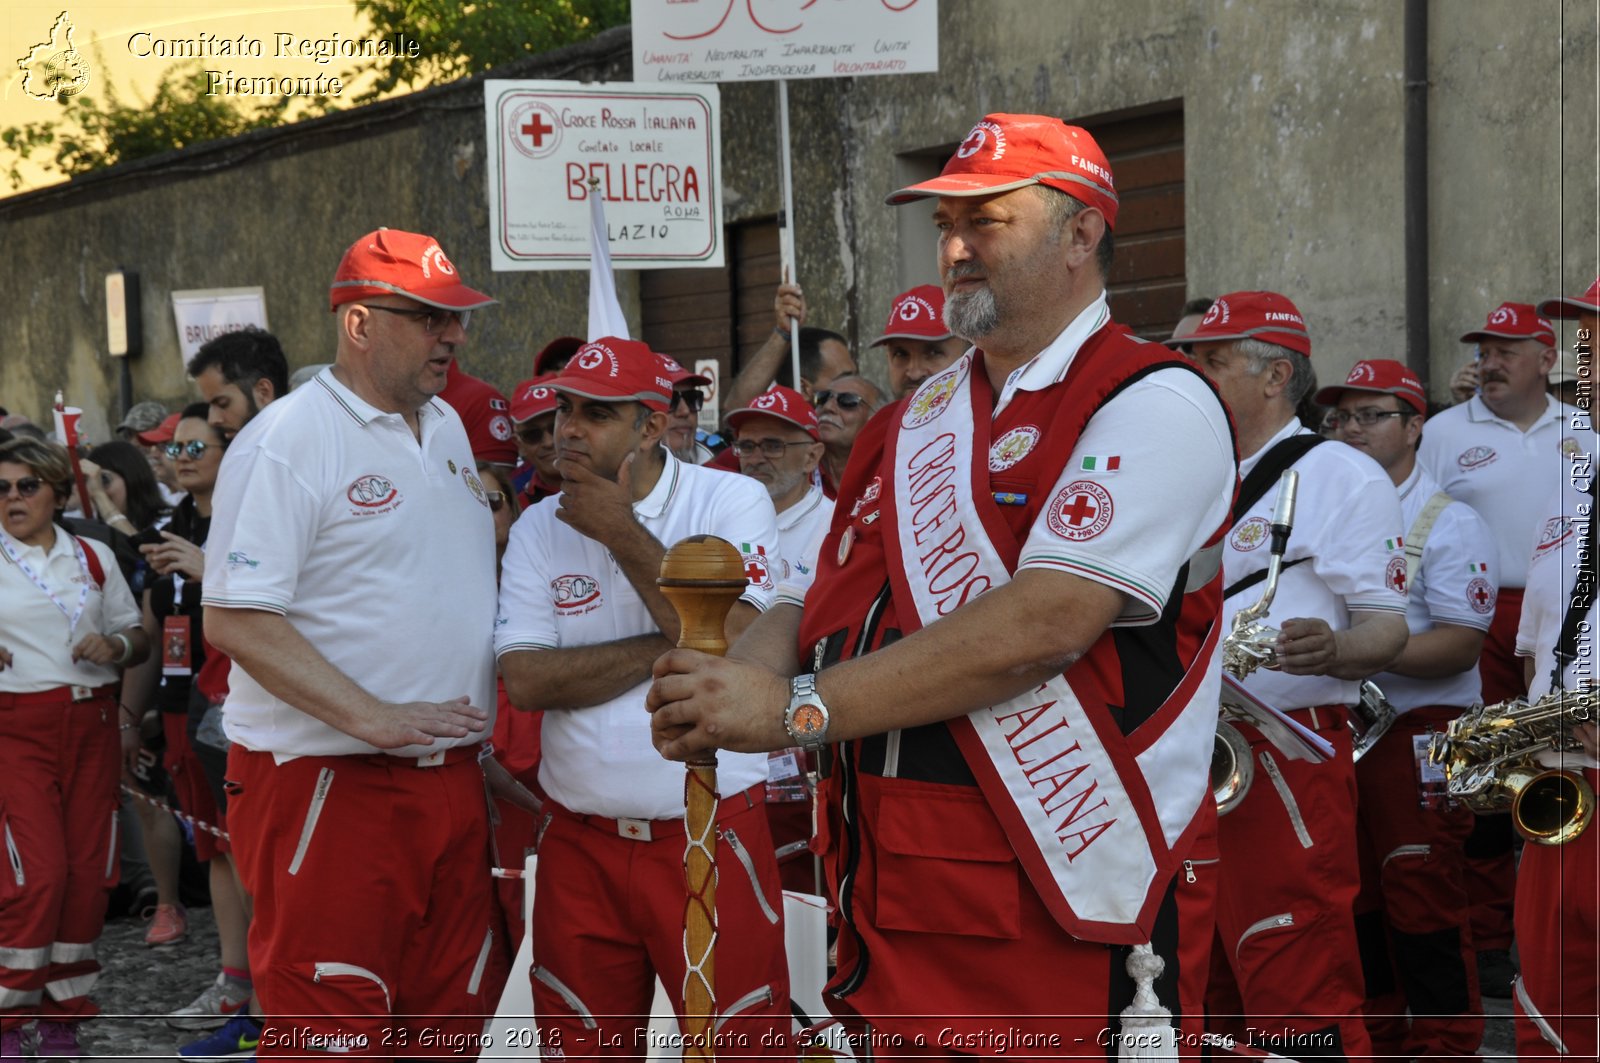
x=380 y=632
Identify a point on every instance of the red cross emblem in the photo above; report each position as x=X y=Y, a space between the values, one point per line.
x=537 y=128
x=1395 y=575
x=1080 y=510
x=1479 y=596
x=633 y=830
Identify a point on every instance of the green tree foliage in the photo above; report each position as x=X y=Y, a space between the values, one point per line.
x=453 y=40
x=457 y=39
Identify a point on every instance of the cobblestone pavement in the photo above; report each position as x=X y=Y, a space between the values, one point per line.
x=140 y=986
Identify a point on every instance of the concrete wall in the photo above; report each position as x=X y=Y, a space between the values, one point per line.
x=1293 y=132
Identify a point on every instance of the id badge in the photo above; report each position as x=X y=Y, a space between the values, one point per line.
x=1432 y=789
x=176 y=649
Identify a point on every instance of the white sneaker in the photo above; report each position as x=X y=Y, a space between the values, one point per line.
x=220 y=1002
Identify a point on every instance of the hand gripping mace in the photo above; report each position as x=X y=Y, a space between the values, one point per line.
x=702 y=576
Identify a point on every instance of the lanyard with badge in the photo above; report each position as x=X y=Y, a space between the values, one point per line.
x=72 y=615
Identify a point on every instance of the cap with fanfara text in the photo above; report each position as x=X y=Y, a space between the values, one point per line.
x=611 y=369
x=916 y=315
x=395 y=262
x=1007 y=151
x=1265 y=316
x=1513 y=321
x=785 y=404
x=1382 y=375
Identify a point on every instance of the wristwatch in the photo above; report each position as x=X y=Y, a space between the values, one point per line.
x=806 y=719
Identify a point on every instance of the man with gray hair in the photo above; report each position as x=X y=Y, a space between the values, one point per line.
x=1285 y=923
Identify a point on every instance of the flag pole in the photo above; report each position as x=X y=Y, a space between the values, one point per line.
x=786 y=231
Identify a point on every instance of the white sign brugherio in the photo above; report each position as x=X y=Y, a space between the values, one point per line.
x=656 y=155
x=735 y=40
x=206 y=313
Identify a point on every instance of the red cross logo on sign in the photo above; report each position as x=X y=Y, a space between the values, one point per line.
x=536 y=129
x=1080 y=510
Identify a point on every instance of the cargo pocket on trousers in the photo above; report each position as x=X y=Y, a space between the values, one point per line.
x=945 y=866
x=14 y=876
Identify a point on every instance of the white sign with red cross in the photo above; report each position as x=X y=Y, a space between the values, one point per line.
x=654 y=155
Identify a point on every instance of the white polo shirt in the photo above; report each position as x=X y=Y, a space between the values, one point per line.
x=1501 y=471
x=559 y=588
x=1349 y=528
x=1552 y=571
x=1454 y=584
x=798 y=526
x=35 y=631
x=380 y=551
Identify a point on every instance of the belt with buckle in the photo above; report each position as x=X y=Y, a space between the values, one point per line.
x=454 y=755
x=651 y=830
x=56 y=696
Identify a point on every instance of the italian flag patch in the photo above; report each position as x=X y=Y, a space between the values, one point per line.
x=1101 y=463
x=1394 y=544
x=1477 y=566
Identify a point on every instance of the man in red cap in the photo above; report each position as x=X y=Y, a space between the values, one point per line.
x=533 y=417
x=1019 y=750
x=683 y=415
x=1412 y=917
x=356 y=799
x=1558 y=994
x=1284 y=923
x=777 y=442
x=1500 y=452
x=916 y=339
x=581 y=622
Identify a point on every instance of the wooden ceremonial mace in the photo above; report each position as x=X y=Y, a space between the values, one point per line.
x=702 y=576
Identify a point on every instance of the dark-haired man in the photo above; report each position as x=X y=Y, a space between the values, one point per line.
x=238 y=373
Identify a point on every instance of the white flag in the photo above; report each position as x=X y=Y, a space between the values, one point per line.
x=605 y=312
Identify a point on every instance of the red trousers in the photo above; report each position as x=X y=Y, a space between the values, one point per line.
x=1412 y=917
x=1491 y=857
x=1558 y=942
x=608 y=919
x=194 y=793
x=58 y=819
x=374 y=921
x=1286 y=932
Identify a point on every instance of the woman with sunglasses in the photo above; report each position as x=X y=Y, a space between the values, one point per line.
x=68 y=626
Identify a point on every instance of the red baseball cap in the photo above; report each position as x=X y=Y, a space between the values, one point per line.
x=410 y=264
x=1573 y=305
x=786 y=404
x=161 y=433
x=1007 y=151
x=1382 y=375
x=1265 y=316
x=616 y=370
x=560 y=347
x=533 y=398
x=1514 y=321
x=916 y=315
x=681 y=376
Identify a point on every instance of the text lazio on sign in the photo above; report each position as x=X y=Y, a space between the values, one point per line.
x=656 y=155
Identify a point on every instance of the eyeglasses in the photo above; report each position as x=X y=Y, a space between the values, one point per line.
x=690 y=398
x=1365 y=418
x=847 y=400
x=194 y=448
x=496 y=500
x=27 y=487
x=772 y=448
x=434 y=322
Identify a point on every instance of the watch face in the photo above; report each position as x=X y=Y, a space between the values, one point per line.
x=809 y=720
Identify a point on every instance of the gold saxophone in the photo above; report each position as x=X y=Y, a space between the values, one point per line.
x=1250 y=645
x=1489 y=753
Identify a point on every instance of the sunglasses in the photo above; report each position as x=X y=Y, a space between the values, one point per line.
x=691 y=398
x=847 y=400
x=194 y=448
x=533 y=435
x=434 y=321
x=27 y=487
x=497 y=500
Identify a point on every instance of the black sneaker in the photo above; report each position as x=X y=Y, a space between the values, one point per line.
x=1495 y=972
